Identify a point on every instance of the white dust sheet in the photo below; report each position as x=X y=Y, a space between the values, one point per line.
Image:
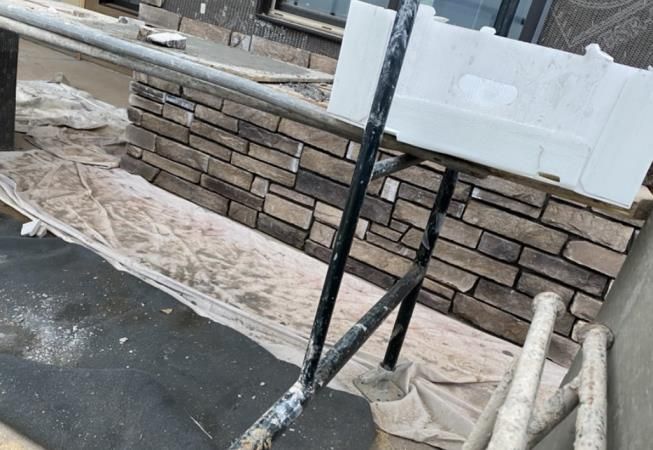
x=252 y=283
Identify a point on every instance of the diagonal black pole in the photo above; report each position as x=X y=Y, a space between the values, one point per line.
x=290 y=405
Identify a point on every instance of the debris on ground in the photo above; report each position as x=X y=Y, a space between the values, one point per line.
x=167 y=39
x=35 y=228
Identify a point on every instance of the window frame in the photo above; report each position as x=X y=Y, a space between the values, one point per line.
x=267 y=11
x=122 y=5
x=333 y=29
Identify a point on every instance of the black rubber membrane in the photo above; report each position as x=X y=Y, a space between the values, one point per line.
x=89 y=360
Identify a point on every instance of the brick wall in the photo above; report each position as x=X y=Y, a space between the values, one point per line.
x=501 y=244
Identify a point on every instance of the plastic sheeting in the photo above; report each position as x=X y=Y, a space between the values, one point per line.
x=258 y=286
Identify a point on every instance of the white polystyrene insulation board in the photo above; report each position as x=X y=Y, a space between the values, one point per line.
x=519 y=107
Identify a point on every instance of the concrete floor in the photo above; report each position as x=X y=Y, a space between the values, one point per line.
x=36 y=62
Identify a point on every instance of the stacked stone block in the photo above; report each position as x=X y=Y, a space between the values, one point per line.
x=501 y=244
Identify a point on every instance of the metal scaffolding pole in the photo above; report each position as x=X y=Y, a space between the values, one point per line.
x=511 y=427
x=8 y=69
x=551 y=413
x=482 y=432
x=591 y=422
x=286 y=409
x=431 y=234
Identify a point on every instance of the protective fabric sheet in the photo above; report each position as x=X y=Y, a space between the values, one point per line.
x=54 y=103
x=428 y=406
x=259 y=287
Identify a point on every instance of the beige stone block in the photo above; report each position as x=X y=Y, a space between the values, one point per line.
x=585 y=307
x=231 y=174
x=288 y=211
x=506 y=203
x=563 y=271
x=314 y=137
x=260 y=186
x=163 y=127
x=202 y=97
x=210 y=147
x=475 y=262
x=332 y=216
x=532 y=285
x=140 y=137
x=172 y=167
x=508 y=188
x=379 y=258
x=220 y=136
x=292 y=195
x=452 y=229
x=589 y=225
x=243 y=214
x=499 y=248
x=252 y=115
x=274 y=157
x=138 y=167
x=215 y=117
x=322 y=234
x=146 y=105
x=394 y=247
x=514 y=227
x=595 y=257
x=192 y=192
x=263 y=169
x=390 y=189
x=182 y=154
x=268 y=139
x=335 y=168
x=451 y=276
x=177 y=115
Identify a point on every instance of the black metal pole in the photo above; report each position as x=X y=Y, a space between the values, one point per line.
x=374 y=129
x=505 y=16
x=285 y=410
x=8 y=69
x=395 y=164
x=431 y=234
x=353 y=340
x=290 y=405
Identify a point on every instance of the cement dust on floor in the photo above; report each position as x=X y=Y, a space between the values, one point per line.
x=79 y=334
x=36 y=62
